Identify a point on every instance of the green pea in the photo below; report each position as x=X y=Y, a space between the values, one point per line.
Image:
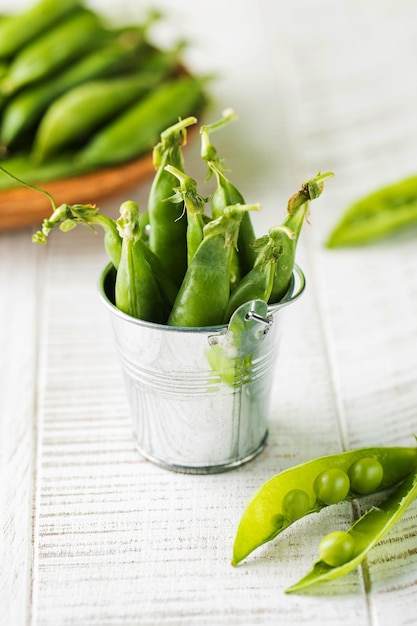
x=296 y=504
x=332 y=485
x=279 y=521
x=336 y=548
x=365 y=475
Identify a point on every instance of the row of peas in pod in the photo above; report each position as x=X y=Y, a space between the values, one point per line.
x=178 y=263
x=78 y=94
x=329 y=480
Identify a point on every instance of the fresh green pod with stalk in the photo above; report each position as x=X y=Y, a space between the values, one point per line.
x=137 y=129
x=124 y=51
x=63 y=44
x=186 y=194
x=20 y=29
x=166 y=219
x=78 y=113
x=342 y=551
x=311 y=486
x=204 y=294
x=226 y=193
x=137 y=292
x=297 y=212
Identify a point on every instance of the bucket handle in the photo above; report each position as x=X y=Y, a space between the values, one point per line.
x=252 y=321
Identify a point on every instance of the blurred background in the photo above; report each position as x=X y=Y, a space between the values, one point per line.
x=323 y=86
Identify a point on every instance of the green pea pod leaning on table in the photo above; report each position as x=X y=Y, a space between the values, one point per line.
x=137 y=129
x=341 y=551
x=204 y=294
x=168 y=225
x=60 y=46
x=18 y=30
x=226 y=193
x=309 y=487
x=297 y=212
x=381 y=213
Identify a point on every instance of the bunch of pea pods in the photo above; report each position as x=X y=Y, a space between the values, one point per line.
x=178 y=264
x=78 y=93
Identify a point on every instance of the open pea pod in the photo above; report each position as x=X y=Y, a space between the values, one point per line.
x=366 y=533
x=292 y=494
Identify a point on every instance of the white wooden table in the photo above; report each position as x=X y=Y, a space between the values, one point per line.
x=93 y=535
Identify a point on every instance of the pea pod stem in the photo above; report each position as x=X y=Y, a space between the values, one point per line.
x=194 y=205
x=366 y=533
x=263 y=518
x=227 y=194
x=66 y=217
x=297 y=213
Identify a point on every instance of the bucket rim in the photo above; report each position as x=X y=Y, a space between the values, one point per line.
x=295 y=290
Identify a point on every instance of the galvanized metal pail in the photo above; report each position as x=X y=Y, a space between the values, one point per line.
x=199 y=397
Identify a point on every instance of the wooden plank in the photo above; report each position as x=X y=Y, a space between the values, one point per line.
x=21 y=295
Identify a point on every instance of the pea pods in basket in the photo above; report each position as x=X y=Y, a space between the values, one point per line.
x=68 y=75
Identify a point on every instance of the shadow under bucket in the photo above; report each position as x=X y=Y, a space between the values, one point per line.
x=199 y=397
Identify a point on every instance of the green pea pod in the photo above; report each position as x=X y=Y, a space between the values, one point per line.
x=123 y=51
x=186 y=194
x=18 y=30
x=167 y=227
x=297 y=212
x=79 y=112
x=365 y=533
x=257 y=283
x=137 y=292
x=269 y=513
x=204 y=293
x=137 y=130
x=226 y=193
x=377 y=215
x=63 y=44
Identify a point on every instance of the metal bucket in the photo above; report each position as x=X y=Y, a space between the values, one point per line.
x=199 y=397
